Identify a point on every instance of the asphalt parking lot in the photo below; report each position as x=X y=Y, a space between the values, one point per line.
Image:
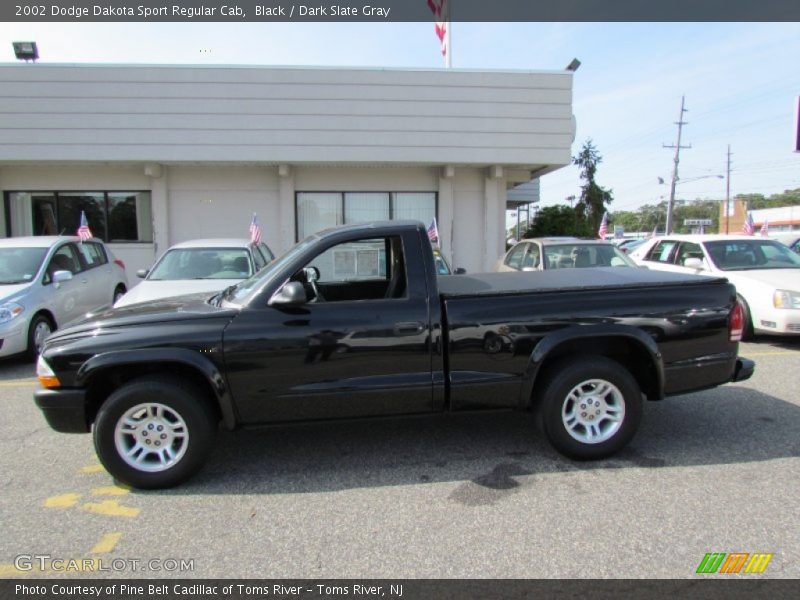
x=463 y=496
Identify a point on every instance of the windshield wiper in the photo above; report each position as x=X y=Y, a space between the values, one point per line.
x=223 y=295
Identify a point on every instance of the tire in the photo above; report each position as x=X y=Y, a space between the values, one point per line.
x=39 y=329
x=570 y=424
x=748 y=332
x=119 y=292
x=166 y=410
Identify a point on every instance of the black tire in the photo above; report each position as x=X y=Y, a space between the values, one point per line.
x=748 y=333
x=552 y=398
x=190 y=402
x=118 y=293
x=38 y=321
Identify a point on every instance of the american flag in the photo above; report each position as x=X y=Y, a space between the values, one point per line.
x=439 y=9
x=603 y=227
x=433 y=232
x=83 y=231
x=255 y=230
x=748 y=228
x=765 y=228
x=655 y=232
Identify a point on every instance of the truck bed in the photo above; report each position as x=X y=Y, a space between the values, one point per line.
x=460 y=286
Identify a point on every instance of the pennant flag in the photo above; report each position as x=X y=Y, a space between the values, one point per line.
x=433 y=232
x=655 y=232
x=748 y=228
x=255 y=230
x=765 y=228
x=702 y=229
x=439 y=9
x=603 y=227
x=83 y=231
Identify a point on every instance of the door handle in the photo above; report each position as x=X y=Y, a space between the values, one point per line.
x=408 y=328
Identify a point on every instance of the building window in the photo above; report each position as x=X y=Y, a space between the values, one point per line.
x=112 y=216
x=320 y=210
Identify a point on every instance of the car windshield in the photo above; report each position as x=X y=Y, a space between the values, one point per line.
x=202 y=263
x=442 y=268
x=571 y=256
x=241 y=291
x=20 y=265
x=748 y=255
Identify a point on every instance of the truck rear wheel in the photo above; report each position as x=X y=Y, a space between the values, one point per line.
x=154 y=432
x=590 y=407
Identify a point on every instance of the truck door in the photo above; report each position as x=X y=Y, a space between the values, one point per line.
x=359 y=346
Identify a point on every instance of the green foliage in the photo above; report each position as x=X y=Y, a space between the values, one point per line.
x=558 y=220
x=593 y=199
x=785 y=198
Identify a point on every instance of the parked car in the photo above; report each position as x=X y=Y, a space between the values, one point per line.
x=47 y=281
x=199 y=266
x=626 y=246
x=303 y=340
x=765 y=272
x=790 y=239
x=538 y=254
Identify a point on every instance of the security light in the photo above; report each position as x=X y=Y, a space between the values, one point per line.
x=573 y=66
x=26 y=50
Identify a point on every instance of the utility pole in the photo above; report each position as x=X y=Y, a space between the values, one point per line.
x=728 y=193
x=680 y=123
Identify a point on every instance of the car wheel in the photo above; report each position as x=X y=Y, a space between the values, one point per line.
x=38 y=331
x=748 y=332
x=590 y=407
x=155 y=432
x=119 y=293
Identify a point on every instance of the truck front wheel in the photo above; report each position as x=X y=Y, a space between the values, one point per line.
x=590 y=407
x=154 y=432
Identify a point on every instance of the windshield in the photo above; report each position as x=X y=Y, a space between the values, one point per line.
x=571 y=256
x=442 y=268
x=202 y=263
x=243 y=289
x=747 y=255
x=20 y=265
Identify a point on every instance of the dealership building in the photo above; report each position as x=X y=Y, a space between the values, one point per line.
x=156 y=155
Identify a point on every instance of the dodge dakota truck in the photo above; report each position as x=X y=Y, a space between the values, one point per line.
x=355 y=322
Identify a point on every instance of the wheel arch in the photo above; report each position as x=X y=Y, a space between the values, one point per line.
x=627 y=345
x=104 y=373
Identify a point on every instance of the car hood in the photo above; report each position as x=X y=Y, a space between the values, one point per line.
x=785 y=279
x=178 y=308
x=155 y=290
x=9 y=293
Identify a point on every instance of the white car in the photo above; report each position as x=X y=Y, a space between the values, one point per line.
x=765 y=272
x=538 y=254
x=47 y=281
x=790 y=239
x=199 y=266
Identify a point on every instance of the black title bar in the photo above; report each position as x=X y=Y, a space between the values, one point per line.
x=399 y=10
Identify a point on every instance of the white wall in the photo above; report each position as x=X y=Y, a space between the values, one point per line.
x=295 y=115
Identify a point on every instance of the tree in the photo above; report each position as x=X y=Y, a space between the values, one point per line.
x=592 y=204
x=558 y=220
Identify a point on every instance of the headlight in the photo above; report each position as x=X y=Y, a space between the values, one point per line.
x=45 y=374
x=9 y=311
x=786 y=299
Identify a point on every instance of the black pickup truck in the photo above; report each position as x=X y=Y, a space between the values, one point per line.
x=354 y=322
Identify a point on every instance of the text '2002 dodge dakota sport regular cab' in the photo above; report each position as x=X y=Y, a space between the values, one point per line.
x=354 y=322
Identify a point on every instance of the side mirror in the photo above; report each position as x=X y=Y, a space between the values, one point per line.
x=60 y=276
x=311 y=273
x=693 y=263
x=460 y=271
x=142 y=273
x=291 y=294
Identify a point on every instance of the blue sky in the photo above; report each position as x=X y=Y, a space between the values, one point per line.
x=741 y=82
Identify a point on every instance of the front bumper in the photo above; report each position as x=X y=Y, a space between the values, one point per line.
x=64 y=409
x=14 y=337
x=744 y=369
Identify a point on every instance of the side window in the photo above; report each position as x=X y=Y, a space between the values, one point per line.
x=65 y=259
x=258 y=259
x=688 y=250
x=268 y=255
x=662 y=251
x=368 y=269
x=514 y=258
x=531 y=259
x=93 y=254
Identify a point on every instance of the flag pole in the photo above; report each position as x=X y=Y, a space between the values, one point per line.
x=448 y=57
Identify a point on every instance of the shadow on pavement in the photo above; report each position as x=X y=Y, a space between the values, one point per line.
x=722 y=426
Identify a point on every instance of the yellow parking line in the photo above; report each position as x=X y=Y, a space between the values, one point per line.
x=9 y=571
x=62 y=501
x=107 y=543
x=98 y=468
x=110 y=508
x=19 y=382
x=110 y=490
